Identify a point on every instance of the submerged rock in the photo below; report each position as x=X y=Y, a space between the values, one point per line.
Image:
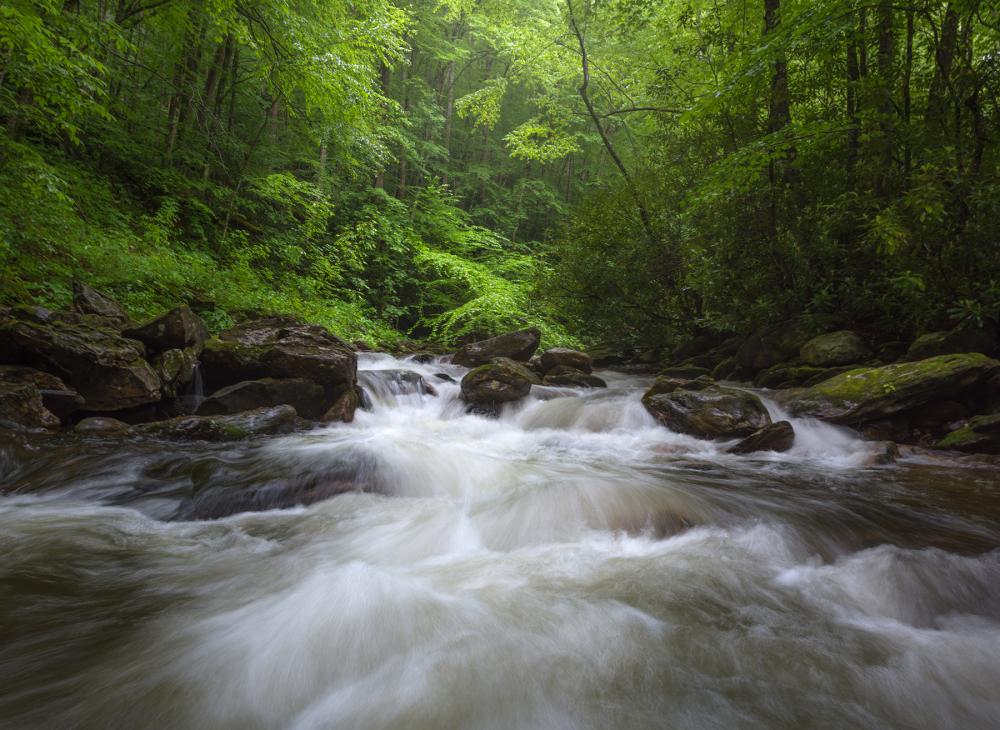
x=178 y=329
x=279 y=347
x=712 y=412
x=261 y=421
x=872 y=394
x=501 y=381
x=569 y=378
x=305 y=396
x=102 y=425
x=778 y=436
x=836 y=348
x=108 y=370
x=519 y=345
x=556 y=357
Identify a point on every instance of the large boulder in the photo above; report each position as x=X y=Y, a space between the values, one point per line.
x=872 y=394
x=772 y=345
x=501 y=381
x=980 y=435
x=178 y=329
x=56 y=396
x=304 y=395
x=87 y=300
x=261 y=421
x=21 y=408
x=556 y=357
x=108 y=370
x=711 y=412
x=966 y=337
x=520 y=345
x=279 y=347
x=778 y=436
x=836 y=348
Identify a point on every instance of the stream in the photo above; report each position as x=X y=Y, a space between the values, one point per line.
x=571 y=564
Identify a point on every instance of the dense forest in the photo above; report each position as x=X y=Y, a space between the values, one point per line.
x=618 y=173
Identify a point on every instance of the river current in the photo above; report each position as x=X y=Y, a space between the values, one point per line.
x=570 y=564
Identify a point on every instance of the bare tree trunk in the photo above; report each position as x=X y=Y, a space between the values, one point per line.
x=644 y=217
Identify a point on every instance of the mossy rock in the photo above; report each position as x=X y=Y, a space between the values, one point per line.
x=711 y=412
x=835 y=348
x=871 y=394
x=980 y=435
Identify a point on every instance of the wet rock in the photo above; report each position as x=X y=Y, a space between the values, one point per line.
x=689 y=372
x=497 y=382
x=108 y=370
x=712 y=412
x=445 y=377
x=980 y=435
x=278 y=347
x=836 y=348
x=56 y=397
x=176 y=369
x=727 y=369
x=102 y=425
x=520 y=345
x=178 y=329
x=261 y=421
x=966 y=337
x=775 y=344
x=21 y=408
x=87 y=300
x=873 y=394
x=776 y=437
x=569 y=378
x=305 y=396
x=556 y=357
x=669 y=383
x=423 y=357
x=343 y=405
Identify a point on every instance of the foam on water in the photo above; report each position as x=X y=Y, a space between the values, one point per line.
x=571 y=564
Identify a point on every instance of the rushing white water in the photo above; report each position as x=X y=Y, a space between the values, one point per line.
x=569 y=565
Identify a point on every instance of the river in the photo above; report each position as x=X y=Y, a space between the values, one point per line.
x=568 y=565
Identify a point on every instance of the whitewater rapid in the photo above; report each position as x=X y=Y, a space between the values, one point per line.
x=571 y=564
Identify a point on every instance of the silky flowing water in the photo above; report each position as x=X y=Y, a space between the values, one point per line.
x=568 y=565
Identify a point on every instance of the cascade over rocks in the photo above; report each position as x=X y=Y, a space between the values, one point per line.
x=178 y=329
x=778 y=436
x=836 y=348
x=87 y=300
x=519 y=345
x=304 y=395
x=109 y=371
x=714 y=411
x=501 y=381
x=562 y=357
x=872 y=394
